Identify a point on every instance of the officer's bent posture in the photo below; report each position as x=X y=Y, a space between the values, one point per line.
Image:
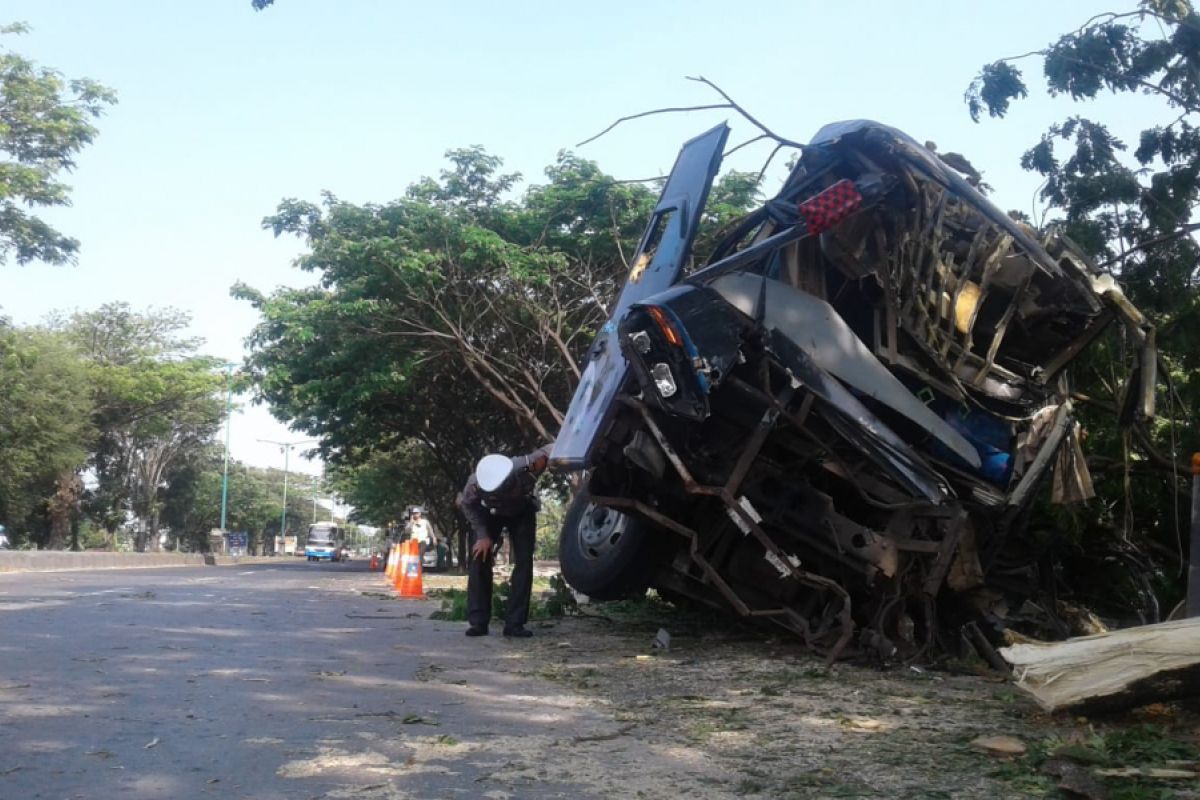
x=499 y=495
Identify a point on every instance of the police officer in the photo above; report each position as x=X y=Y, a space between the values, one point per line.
x=499 y=495
x=419 y=528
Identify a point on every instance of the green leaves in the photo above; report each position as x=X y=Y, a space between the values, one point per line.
x=448 y=322
x=996 y=86
x=45 y=120
x=1133 y=212
x=155 y=403
x=45 y=420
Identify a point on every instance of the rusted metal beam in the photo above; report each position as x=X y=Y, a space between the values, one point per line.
x=945 y=554
x=693 y=538
x=737 y=509
x=750 y=452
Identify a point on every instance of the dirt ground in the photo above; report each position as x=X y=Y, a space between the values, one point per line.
x=730 y=712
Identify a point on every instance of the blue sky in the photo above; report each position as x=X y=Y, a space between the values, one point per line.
x=224 y=111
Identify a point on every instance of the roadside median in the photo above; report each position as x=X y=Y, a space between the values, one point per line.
x=61 y=560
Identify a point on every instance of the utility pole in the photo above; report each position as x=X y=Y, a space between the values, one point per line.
x=286 y=447
x=1192 y=608
x=316 y=485
x=228 y=424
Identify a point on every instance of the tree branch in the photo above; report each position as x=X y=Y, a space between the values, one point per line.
x=1185 y=230
x=754 y=121
x=669 y=110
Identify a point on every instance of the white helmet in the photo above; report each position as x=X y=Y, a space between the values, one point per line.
x=492 y=472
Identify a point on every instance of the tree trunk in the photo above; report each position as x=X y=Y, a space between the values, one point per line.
x=1111 y=670
x=63 y=509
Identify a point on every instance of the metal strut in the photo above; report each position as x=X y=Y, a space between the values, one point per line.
x=747 y=523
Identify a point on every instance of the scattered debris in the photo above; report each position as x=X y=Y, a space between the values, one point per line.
x=1157 y=773
x=605 y=737
x=417 y=719
x=1000 y=745
x=869 y=725
x=152 y=743
x=1074 y=779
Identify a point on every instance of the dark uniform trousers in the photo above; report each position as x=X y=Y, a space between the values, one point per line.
x=522 y=533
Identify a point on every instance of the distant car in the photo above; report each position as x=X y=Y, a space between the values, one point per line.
x=3 y=541
x=839 y=423
x=439 y=557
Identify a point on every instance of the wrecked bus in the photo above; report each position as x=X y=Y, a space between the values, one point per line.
x=840 y=421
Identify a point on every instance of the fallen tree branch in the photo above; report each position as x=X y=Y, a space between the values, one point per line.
x=752 y=119
x=1111 y=670
x=729 y=103
x=670 y=110
x=1184 y=231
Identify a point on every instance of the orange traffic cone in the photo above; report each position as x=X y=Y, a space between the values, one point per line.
x=393 y=557
x=408 y=574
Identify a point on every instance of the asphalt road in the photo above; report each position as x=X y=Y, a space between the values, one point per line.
x=265 y=681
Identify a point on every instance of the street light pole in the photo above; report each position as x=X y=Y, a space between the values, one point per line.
x=287 y=451
x=286 y=447
x=228 y=425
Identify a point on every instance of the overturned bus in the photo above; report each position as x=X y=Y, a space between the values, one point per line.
x=840 y=421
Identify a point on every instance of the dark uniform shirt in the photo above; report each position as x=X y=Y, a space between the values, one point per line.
x=513 y=499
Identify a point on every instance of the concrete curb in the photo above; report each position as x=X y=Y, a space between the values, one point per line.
x=59 y=561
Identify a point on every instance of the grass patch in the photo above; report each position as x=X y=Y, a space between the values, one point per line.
x=555 y=601
x=650 y=612
x=1138 y=746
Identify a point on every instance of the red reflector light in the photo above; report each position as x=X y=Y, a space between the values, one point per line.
x=831 y=206
x=665 y=325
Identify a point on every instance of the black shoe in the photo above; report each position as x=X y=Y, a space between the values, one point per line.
x=518 y=632
x=473 y=631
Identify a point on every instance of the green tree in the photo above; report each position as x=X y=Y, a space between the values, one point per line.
x=1132 y=211
x=192 y=501
x=45 y=433
x=45 y=121
x=157 y=403
x=448 y=323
